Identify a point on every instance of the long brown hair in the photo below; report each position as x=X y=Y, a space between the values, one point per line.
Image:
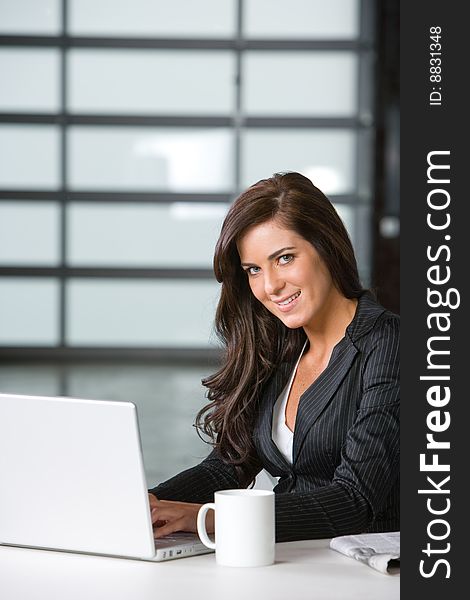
x=255 y=341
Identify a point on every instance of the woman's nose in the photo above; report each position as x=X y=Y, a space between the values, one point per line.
x=273 y=284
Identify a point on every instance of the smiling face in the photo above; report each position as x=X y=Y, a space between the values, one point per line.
x=287 y=275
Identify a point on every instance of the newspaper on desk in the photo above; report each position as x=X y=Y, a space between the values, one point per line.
x=381 y=551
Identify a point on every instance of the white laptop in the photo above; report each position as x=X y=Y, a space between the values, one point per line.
x=72 y=479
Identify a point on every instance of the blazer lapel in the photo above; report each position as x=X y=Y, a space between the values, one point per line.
x=314 y=400
x=264 y=428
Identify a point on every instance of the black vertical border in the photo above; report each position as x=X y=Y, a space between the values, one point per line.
x=424 y=129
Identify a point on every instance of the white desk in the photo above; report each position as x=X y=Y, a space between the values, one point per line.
x=306 y=570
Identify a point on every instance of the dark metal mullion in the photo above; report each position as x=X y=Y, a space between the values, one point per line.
x=128 y=43
x=238 y=98
x=129 y=119
x=133 y=197
x=238 y=120
x=367 y=24
x=64 y=272
x=360 y=99
x=363 y=136
x=357 y=225
x=181 y=43
x=293 y=122
x=151 y=120
x=87 y=354
x=117 y=197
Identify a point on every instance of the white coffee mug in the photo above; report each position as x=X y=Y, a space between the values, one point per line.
x=244 y=527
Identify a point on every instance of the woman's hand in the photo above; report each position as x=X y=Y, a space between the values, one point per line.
x=169 y=516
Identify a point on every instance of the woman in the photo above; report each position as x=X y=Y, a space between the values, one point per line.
x=308 y=388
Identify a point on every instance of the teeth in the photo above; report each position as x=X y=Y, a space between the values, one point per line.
x=289 y=300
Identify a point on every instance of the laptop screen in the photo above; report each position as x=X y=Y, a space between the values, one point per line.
x=72 y=476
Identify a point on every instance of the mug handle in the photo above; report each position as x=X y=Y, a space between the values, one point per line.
x=201 y=525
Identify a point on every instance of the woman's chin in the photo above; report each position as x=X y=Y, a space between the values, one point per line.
x=292 y=321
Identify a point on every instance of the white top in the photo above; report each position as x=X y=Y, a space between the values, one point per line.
x=282 y=436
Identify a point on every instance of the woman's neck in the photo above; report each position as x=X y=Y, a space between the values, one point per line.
x=328 y=331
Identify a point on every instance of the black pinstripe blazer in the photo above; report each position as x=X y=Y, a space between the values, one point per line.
x=345 y=472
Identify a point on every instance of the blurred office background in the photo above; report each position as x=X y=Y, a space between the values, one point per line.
x=126 y=129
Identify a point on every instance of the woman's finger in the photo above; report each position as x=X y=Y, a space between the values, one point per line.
x=170 y=527
x=167 y=513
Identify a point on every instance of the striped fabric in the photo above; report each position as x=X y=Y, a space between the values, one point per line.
x=344 y=477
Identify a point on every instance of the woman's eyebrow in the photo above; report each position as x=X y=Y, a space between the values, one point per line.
x=271 y=256
x=274 y=254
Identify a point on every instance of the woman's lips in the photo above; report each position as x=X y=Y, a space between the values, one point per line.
x=288 y=304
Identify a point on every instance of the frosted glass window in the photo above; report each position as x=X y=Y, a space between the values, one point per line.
x=151 y=159
x=195 y=82
x=29 y=233
x=302 y=19
x=30 y=80
x=153 y=18
x=172 y=235
x=141 y=313
x=29 y=157
x=313 y=83
x=346 y=214
x=327 y=157
x=32 y=379
x=29 y=311
x=42 y=17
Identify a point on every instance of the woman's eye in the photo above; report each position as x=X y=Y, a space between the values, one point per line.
x=285 y=259
x=253 y=270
